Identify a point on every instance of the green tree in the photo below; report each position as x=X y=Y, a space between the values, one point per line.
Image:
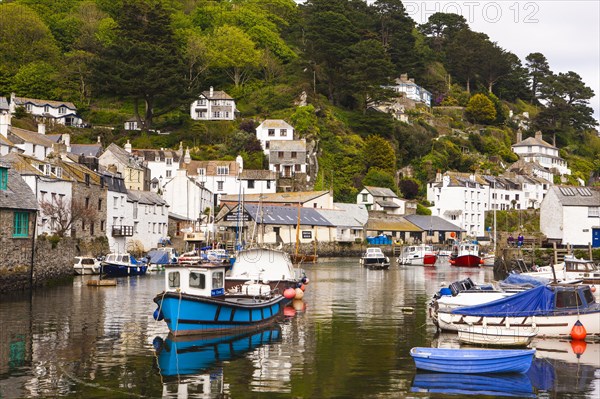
x=566 y=104
x=24 y=37
x=409 y=188
x=233 y=51
x=440 y=27
x=377 y=177
x=463 y=55
x=368 y=69
x=144 y=64
x=379 y=153
x=539 y=70
x=36 y=80
x=481 y=109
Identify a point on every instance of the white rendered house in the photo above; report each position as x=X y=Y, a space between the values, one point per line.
x=571 y=215
x=461 y=199
x=148 y=213
x=273 y=129
x=408 y=88
x=535 y=149
x=382 y=199
x=186 y=197
x=213 y=105
x=60 y=112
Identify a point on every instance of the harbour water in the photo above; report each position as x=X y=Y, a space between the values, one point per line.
x=349 y=337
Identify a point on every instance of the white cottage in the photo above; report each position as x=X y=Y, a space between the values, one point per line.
x=535 y=149
x=213 y=105
x=384 y=199
x=407 y=87
x=571 y=215
x=273 y=129
x=60 y=112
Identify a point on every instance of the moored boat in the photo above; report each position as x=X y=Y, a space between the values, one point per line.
x=122 y=264
x=552 y=310
x=571 y=269
x=472 y=361
x=84 y=265
x=375 y=259
x=418 y=255
x=269 y=266
x=195 y=302
x=466 y=254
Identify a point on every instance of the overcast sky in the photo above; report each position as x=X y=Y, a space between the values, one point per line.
x=567 y=32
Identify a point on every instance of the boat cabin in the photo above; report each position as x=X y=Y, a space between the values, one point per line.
x=465 y=248
x=374 y=253
x=203 y=280
x=573 y=297
x=119 y=258
x=580 y=266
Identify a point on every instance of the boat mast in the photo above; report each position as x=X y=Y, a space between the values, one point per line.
x=298 y=232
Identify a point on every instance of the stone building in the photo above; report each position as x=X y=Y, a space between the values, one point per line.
x=18 y=208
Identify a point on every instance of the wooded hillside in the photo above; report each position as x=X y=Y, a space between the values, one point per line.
x=149 y=59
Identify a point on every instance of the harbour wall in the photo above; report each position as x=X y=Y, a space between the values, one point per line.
x=52 y=261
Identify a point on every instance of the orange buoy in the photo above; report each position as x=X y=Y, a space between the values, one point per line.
x=303 y=287
x=299 y=294
x=593 y=288
x=578 y=331
x=578 y=346
x=289 y=293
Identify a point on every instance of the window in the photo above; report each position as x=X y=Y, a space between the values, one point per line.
x=21 y=224
x=267 y=145
x=271 y=133
x=174 y=280
x=283 y=132
x=365 y=197
x=62 y=110
x=294 y=154
x=216 y=114
x=169 y=161
x=594 y=212
x=135 y=210
x=297 y=168
x=219 y=186
x=87 y=202
x=250 y=183
x=100 y=204
x=222 y=170
x=217 y=280
x=268 y=183
x=200 y=114
x=4 y=179
x=115 y=202
x=201 y=171
x=135 y=227
x=280 y=154
x=46 y=108
x=168 y=173
x=197 y=280
x=102 y=225
x=28 y=107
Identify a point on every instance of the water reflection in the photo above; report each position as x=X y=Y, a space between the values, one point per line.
x=198 y=359
x=349 y=338
x=513 y=384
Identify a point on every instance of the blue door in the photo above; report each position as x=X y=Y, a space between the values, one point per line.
x=596 y=238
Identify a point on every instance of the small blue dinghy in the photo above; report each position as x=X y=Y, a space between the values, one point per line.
x=468 y=361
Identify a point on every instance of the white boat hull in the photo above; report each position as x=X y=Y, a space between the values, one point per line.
x=546 y=326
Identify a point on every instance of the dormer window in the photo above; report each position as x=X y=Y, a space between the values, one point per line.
x=62 y=110
x=201 y=171
x=46 y=108
x=169 y=161
x=157 y=158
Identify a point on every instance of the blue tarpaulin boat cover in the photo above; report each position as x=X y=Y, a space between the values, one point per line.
x=519 y=279
x=536 y=301
x=159 y=258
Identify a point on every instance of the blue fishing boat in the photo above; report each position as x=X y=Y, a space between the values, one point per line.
x=509 y=384
x=195 y=301
x=122 y=265
x=473 y=361
x=178 y=356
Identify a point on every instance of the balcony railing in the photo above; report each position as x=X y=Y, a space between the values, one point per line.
x=122 y=231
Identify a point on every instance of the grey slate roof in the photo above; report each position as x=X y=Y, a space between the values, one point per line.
x=381 y=192
x=533 y=141
x=150 y=155
x=93 y=150
x=145 y=197
x=17 y=195
x=357 y=211
x=286 y=215
x=287 y=145
x=387 y=204
x=256 y=174
x=434 y=223
x=341 y=218
x=577 y=196
x=123 y=156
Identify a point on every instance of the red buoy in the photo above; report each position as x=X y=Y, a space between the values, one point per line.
x=289 y=293
x=578 y=331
